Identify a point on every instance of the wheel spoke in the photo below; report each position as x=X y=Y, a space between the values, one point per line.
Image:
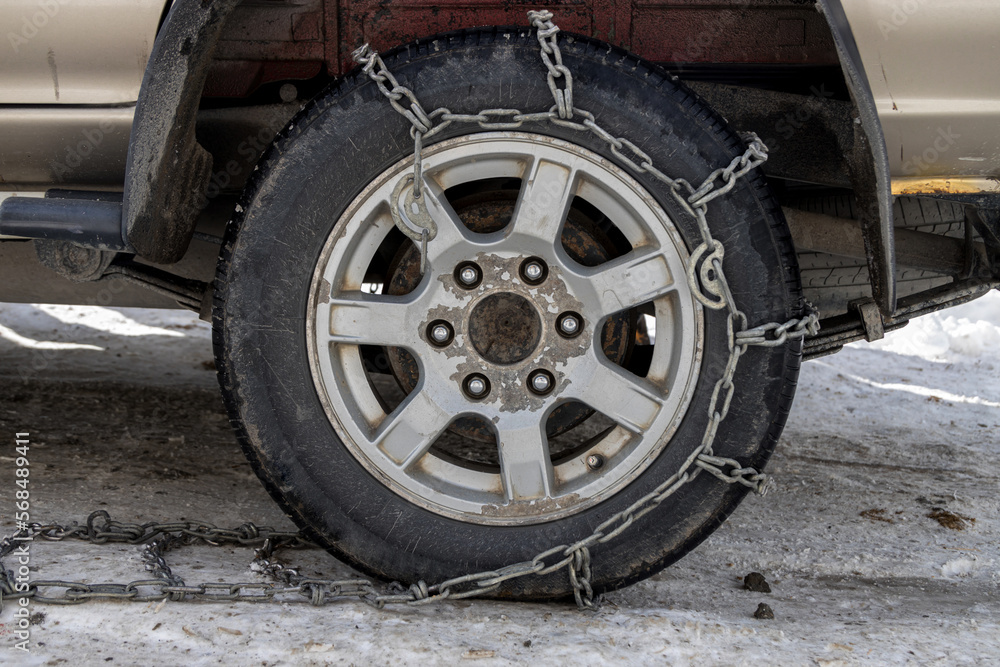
x=627 y=399
x=450 y=228
x=626 y=282
x=525 y=464
x=545 y=199
x=412 y=428
x=358 y=318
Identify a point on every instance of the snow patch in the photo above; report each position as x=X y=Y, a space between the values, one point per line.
x=104 y=319
x=969 y=330
x=923 y=391
x=12 y=336
x=959 y=567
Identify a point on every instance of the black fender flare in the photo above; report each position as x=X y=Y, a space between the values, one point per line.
x=167 y=170
x=873 y=186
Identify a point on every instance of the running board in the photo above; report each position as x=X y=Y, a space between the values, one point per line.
x=88 y=219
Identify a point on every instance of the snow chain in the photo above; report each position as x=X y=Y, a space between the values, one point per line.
x=707 y=281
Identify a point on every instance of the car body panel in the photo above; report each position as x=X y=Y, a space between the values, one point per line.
x=930 y=65
x=62 y=146
x=69 y=52
x=938 y=110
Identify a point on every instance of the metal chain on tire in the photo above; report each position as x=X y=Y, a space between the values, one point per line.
x=707 y=281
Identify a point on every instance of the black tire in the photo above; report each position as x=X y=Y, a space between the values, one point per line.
x=327 y=155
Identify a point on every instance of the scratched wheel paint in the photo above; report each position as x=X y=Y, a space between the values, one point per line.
x=549 y=368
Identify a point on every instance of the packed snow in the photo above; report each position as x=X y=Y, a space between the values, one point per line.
x=881 y=546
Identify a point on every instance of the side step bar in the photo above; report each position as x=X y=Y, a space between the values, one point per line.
x=89 y=219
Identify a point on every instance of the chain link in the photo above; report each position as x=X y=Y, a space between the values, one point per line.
x=773 y=334
x=547 y=32
x=707 y=281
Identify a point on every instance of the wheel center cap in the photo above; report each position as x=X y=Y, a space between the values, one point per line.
x=504 y=328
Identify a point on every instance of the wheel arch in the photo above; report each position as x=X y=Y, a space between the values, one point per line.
x=161 y=199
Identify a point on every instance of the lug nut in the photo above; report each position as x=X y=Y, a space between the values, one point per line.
x=595 y=461
x=533 y=270
x=476 y=386
x=569 y=324
x=541 y=382
x=468 y=275
x=439 y=333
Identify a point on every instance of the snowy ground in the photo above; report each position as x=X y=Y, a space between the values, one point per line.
x=882 y=436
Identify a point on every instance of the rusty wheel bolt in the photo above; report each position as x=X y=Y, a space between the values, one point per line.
x=440 y=333
x=533 y=271
x=476 y=386
x=595 y=461
x=569 y=324
x=541 y=382
x=468 y=275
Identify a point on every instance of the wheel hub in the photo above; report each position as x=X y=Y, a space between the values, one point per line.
x=485 y=211
x=504 y=328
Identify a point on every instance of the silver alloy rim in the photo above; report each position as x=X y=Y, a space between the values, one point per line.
x=528 y=486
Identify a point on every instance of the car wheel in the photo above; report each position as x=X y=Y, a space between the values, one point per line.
x=549 y=368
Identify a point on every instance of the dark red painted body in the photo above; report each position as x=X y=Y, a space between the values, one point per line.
x=282 y=40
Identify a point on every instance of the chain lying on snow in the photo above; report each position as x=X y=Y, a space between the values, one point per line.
x=163 y=584
x=708 y=284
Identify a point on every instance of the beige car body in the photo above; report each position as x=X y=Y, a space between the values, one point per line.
x=71 y=71
x=931 y=68
x=92 y=52
x=70 y=74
